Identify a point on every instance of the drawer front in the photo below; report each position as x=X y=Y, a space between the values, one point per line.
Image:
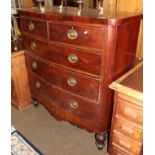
x=78 y=35
x=126 y=143
x=128 y=129
x=129 y=111
x=70 y=57
x=34 y=27
x=35 y=46
x=66 y=101
x=73 y=82
x=116 y=151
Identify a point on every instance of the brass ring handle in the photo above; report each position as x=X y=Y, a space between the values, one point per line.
x=72 y=34
x=33 y=45
x=71 y=81
x=34 y=65
x=38 y=85
x=31 y=26
x=72 y=58
x=73 y=104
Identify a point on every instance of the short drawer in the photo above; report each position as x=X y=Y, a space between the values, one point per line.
x=34 y=45
x=128 y=111
x=125 y=143
x=34 y=27
x=76 y=59
x=79 y=35
x=71 y=81
x=117 y=151
x=66 y=101
x=128 y=129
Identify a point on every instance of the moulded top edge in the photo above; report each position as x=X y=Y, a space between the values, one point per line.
x=87 y=15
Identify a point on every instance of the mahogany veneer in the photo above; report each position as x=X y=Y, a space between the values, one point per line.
x=72 y=59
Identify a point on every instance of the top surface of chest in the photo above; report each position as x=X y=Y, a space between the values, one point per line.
x=87 y=15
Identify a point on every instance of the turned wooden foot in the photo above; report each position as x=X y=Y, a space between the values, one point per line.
x=100 y=140
x=35 y=102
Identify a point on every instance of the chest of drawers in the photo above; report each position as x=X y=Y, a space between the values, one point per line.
x=71 y=60
x=126 y=135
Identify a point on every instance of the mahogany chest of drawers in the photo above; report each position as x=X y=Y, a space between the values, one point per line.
x=72 y=59
x=126 y=135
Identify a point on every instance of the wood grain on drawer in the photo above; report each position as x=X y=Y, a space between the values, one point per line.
x=71 y=81
x=126 y=143
x=128 y=129
x=34 y=45
x=62 y=114
x=34 y=27
x=78 y=35
x=63 y=99
x=130 y=112
x=118 y=151
x=70 y=57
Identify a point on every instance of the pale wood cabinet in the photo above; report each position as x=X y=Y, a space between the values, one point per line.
x=126 y=135
x=20 y=92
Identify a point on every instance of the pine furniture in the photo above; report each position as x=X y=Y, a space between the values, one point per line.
x=126 y=135
x=20 y=91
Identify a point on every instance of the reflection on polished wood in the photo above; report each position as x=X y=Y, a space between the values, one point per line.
x=96 y=52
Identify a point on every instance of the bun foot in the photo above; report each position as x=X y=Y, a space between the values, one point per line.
x=100 y=140
x=35 y=102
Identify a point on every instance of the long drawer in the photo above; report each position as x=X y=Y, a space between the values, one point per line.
x=74 y=82
x=74 y=58
x=78 y=35
x=34 y=27
x=67 y=101
x=62 y=114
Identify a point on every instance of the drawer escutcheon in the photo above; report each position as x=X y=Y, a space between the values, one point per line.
x=71 y=81
x=33 y=45
x=31 y=26
x=72 y=58
x=34 y=65
x=73 y=104
x=38 y=85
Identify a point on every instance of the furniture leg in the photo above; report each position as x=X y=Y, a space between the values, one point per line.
x=35 y=102
x=100 y=140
